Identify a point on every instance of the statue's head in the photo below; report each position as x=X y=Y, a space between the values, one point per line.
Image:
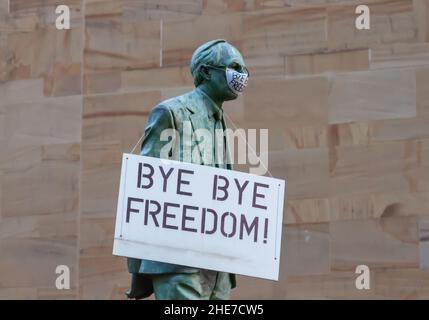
x=219 y=67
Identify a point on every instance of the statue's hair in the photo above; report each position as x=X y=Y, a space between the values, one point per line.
x=208 y=53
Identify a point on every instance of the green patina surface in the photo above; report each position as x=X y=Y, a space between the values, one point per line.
x=199 y=107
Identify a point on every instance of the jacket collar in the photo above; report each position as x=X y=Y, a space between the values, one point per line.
x=199 y=101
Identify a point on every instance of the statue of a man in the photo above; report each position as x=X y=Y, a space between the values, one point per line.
x=219 y=75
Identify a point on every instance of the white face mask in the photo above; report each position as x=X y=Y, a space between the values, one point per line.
x=237 y=81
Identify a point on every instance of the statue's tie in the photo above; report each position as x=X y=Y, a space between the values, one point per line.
x=219 y=140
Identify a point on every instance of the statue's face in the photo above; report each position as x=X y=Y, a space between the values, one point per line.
x=230 y=58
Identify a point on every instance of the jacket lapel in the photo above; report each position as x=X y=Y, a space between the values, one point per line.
x=199 y=120
x=197 y=123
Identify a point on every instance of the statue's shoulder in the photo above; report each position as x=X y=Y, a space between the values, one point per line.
x=178 y=104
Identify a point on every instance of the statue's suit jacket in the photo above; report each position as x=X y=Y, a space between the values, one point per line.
x=171 y=114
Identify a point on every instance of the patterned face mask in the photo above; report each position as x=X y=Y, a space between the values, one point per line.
x=237 y=81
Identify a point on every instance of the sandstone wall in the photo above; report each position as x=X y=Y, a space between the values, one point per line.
x=348 y=113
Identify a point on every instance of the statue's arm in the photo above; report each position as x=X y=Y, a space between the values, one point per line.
x=160 y=119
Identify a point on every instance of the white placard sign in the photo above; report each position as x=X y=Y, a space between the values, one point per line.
x=199 y=216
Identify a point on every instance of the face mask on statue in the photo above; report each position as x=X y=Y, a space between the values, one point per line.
x=237 y=81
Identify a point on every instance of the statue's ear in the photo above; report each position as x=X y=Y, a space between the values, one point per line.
x=204 y=72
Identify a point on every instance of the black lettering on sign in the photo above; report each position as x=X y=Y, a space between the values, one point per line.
x=258 y=195
x=131 y=210
x=180 y=181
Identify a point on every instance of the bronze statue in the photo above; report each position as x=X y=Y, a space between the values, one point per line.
x=219 y=75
